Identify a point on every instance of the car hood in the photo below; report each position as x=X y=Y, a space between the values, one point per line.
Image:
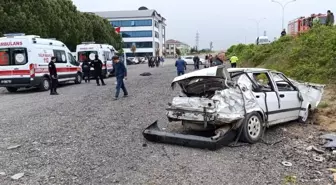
x=216 y=71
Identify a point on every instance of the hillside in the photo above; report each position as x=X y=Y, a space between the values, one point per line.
x=310 y=56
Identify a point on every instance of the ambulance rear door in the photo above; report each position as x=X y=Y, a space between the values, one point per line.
x=14 y=66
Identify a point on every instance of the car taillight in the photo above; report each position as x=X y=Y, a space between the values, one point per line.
x=32 y=70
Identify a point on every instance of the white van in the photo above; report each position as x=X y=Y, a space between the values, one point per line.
x=105 y=52
x=262 y=40
x=24 y=62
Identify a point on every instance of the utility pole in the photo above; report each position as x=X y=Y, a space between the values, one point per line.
x=211 y=46
x=197 y=40
x=258 y=24
x=283 y=6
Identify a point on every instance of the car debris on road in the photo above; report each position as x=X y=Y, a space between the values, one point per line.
x=331 y=140
x=235 y=102
x=287 y=164
x=17 y=176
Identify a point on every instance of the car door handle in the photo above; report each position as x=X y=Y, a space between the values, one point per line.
x=282 y=95
x=257 y=96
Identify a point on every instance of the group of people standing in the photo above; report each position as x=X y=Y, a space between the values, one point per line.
x=97 y=65
x=219 y=59
x=119 y=70
x=155 y=61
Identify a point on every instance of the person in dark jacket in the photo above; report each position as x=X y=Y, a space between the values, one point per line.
x=210 y=60
x=283 y=33
x=181 y=66
x=53 y=76
x=196 y=60
x=330 y=18
x=97 y=65
x=157 y=61
x=86 y=70
x=120 y=72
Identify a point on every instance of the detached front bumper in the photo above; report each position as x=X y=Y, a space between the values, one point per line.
x=222 y=137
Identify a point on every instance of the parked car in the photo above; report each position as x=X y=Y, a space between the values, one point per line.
x=134 y=60
x=190 y=60
x=235 y=100
x=142 y=60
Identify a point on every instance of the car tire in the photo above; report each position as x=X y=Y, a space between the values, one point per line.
x=78 y=79
x=12 y=89
x=305 y=119
x=45 y=84
x=252 y=128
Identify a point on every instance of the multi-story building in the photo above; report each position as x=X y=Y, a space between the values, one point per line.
x=172 y=45
x=146 y=29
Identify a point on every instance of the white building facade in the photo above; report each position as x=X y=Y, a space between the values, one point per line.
x=146 y=29
x=172 y=45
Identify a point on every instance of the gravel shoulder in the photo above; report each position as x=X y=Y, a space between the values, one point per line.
x=83 y=137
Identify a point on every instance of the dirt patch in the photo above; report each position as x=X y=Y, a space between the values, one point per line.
x=325 y=116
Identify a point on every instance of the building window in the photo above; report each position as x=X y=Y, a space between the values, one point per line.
x=132 y=23
x=138 y=44
x=156 y=24
x=157 y=45
x=139 y=54
x=126 y=34
x=157 y=34
x=163 y=30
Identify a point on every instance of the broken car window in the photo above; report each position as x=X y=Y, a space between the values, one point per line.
x=282 y=83
x=263 y=81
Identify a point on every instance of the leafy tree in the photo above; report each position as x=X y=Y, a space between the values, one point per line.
x=157 y=52
x=133 y=49
x=56 y=19
x=177 y=51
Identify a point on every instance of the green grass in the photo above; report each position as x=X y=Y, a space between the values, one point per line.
x=323 y=105
x=289 y=180
x=311 y=56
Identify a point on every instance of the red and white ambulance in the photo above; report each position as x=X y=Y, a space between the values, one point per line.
x=105 y=52
x=24 y=62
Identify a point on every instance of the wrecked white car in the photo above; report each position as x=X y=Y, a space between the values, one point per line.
x=243 y=101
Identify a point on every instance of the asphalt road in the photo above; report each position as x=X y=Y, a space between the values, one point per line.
x=83 y=137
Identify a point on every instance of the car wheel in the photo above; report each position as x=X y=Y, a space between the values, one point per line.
x=78 y=79
x=252 y=128
x=45 y=84
x=11 y=89
x=305 y=117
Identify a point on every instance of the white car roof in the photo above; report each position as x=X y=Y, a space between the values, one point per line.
x=251 y=70
x=212 y=71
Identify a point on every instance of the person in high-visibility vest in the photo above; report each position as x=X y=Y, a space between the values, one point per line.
x=233 y=61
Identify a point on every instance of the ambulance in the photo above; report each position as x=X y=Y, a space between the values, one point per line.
x=105 y=52
x=24 y=62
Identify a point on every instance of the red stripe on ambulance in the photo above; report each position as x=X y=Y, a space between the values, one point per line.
x=37 y=70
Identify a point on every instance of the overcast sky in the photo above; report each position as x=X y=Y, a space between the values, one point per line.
x=225 y=22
